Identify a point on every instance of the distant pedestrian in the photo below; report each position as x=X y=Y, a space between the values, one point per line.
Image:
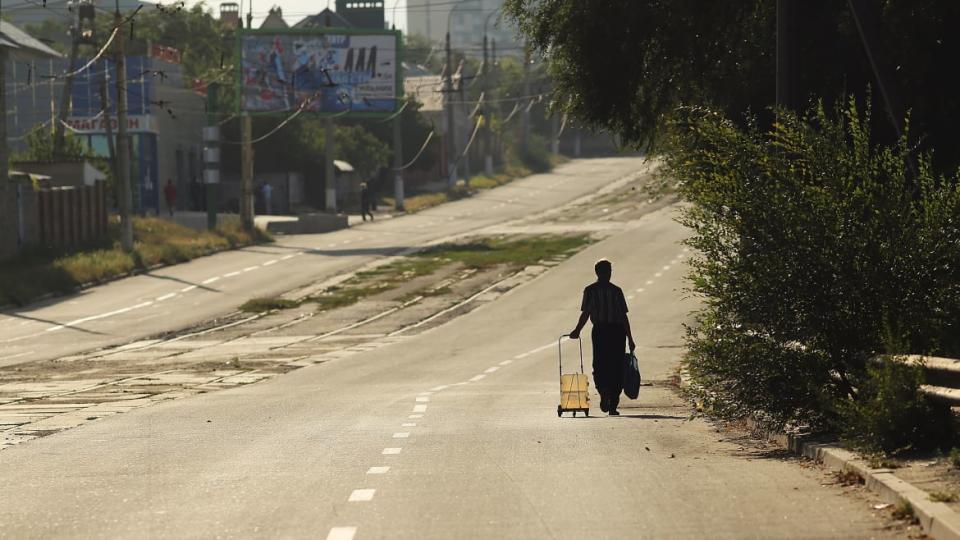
x=365 y=199
x=267 y=191
x=170 y=194
x=604 y=305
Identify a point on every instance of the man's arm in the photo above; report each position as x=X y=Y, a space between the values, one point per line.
x=584 y=316
x=626 y=324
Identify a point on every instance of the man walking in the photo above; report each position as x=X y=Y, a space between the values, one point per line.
x=170 y=194
x=365 y=201
x=604 y=305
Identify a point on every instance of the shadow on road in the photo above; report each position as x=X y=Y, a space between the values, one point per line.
x=653 y=416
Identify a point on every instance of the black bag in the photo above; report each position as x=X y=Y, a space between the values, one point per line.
x=631 y=376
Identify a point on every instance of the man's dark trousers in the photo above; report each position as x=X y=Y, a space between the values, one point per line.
x=608 y=357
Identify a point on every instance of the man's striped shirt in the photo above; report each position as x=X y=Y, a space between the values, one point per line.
x=605 y=303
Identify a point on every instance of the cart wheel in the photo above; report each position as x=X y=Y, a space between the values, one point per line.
x=574 y=414
x=559 y=411
x=586 y=412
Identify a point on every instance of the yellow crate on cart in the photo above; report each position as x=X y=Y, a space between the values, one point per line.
x=574 y=387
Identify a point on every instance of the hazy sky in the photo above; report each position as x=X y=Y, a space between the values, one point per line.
x=294 y=10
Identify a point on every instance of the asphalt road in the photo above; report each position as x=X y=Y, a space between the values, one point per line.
x=179 y=296
x=452 y=433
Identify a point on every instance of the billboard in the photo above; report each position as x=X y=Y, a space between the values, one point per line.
x=329 y=71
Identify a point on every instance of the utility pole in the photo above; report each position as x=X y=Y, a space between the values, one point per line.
x=246 y=171
x=123 y=144
x=525 y=118
x=555 y=142
x=108 y=125
x=329 y=180
x=467 y=126
x=65 y=101
x=4 y=158
x=211 y=156
x=451 y=131
x=398 y=163
x=487 y=112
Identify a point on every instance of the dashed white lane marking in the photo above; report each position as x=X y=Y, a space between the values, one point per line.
x=408 y=424
x=491 y=369
x=332 y=245
x=342 y=533
x=631 y=297
x=209 y=281
x=401 y=435
x=665 y=268
x=506 y=362
x=251 y=268
x=188 y=289
x=287 y=257
x=538 y=349
x=166 y=297
x=423 y=399
x=649 y=282
x=478 y=378
x=641 y=289
x=268 y=263
x=420 y=408
x=415 y=416
x=658 y=274
x=362 y=495
x=231 y=274
x=378 y=470
x=391 y=451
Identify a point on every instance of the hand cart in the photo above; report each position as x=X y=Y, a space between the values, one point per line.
x=574 y=395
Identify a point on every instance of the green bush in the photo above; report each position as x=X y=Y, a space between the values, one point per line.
x=817 y=251
x=536 y=155
x=890 y=414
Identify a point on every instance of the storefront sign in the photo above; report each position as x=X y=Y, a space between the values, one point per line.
x=98 y=124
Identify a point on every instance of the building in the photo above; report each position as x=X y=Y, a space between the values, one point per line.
x=274 y=20
x=467 y=20
x=165 y=118
x=349 y=14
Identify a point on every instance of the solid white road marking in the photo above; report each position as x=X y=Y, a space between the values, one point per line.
x=420 y=408
x=538 y=349
x=391 y=451
x=506 y=362
x=491 y=369
x=401 y=435
x=342 y=533
x=96 y=317
x=268 y=263
x=188 y=289
x=439 y=388
x=378 y=470
x=231 y=274
x=166 y=297
x=477 y=378
x=211 y=280
x=362 y=495
x=408 y=424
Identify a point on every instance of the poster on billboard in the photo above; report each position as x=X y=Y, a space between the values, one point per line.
x=330 y=71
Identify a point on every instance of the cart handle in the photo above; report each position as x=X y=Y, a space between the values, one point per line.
x=560 y=351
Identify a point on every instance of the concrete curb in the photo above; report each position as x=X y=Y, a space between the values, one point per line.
x=937 y=519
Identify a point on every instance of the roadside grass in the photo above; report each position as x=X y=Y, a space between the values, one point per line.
x=514 y=253
x=943 y=496
x=904 y=511
x=26 y=278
